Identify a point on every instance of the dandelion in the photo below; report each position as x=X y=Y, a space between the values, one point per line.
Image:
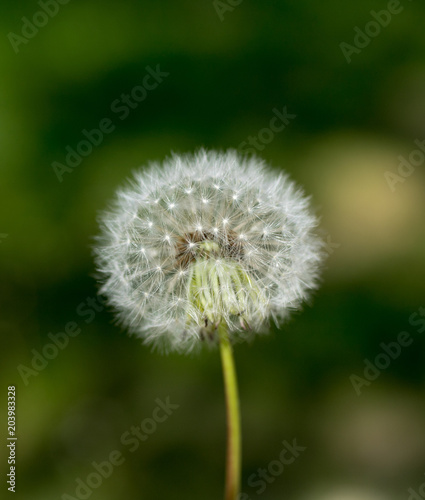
x=208 y=248
x=204 y=240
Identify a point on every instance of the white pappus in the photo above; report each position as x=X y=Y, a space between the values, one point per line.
x=203 y=239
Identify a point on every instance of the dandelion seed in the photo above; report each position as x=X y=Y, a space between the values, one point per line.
x=243 y=249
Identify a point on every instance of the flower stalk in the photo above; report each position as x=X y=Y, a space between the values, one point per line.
x=233 y=454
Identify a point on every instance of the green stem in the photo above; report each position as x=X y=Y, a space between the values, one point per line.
x=233 y=461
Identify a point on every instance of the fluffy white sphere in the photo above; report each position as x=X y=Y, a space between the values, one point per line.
x=203 y=239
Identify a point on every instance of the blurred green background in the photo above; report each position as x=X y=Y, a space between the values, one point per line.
x=229 y=67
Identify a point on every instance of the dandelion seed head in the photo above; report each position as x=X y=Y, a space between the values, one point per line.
x=203 y=239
